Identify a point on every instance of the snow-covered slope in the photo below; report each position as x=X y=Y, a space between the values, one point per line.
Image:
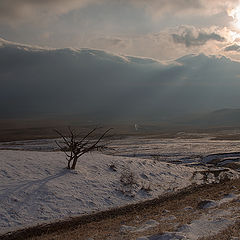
x=36 y=186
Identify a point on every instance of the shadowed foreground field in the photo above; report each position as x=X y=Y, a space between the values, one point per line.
x=107 y=225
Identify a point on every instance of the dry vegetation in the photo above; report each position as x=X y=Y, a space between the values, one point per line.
x=74 y=146
x=232 y=232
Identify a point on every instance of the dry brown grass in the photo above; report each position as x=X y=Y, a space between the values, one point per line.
x=234 y=229
x=227 y=234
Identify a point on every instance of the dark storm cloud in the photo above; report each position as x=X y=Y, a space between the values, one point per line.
x=233 y=48
x=98 y=85
x=191 y=37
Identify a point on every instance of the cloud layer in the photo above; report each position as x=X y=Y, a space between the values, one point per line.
x=183 y=7
x=21 y=10
x=168 y=44
x=159 y=29
x=195 y=37
x=15 y=10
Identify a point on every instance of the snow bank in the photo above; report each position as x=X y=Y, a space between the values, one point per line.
x=36 y=187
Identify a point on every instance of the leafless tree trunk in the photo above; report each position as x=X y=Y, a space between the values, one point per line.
x=74 y=147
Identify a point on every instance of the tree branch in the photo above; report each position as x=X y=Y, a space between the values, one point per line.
x=78 y=148
x=64 y=138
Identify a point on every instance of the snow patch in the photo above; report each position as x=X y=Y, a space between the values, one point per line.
x=207 y=225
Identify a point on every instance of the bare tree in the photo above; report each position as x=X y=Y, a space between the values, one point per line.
x=74 y=147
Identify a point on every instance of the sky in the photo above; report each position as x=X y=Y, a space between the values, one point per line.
x=161 y=29
x=144 y=71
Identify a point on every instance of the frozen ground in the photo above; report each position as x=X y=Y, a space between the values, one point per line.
x=187 y=151
x=209 y=224
x=36 y=186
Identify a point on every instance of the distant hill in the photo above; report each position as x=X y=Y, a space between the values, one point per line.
x=100 y=86
x=220 y=118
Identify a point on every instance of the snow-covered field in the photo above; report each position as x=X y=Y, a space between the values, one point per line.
x=35 y=186
x=169 y=150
